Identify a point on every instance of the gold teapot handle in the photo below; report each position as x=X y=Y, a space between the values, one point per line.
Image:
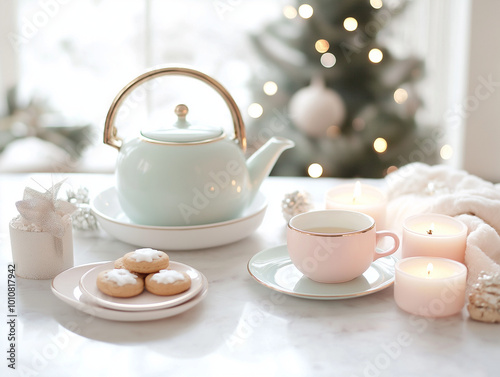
x=110 y=131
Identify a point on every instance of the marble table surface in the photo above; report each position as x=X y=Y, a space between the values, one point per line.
x=241 y=328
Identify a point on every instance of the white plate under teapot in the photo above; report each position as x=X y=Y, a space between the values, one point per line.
x=113 y=220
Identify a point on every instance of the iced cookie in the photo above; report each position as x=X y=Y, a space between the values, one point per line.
x=145 y=260
x=119 y=264
x=168 y=282
x=119 y=283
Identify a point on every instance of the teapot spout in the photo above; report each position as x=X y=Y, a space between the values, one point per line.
x=263 y=160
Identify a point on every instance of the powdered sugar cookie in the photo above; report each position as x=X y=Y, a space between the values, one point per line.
x=167 y=282
x=145 y=260
x=119 y=264
x=119 y=283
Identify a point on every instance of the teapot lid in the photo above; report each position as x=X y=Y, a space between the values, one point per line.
x=183 y=132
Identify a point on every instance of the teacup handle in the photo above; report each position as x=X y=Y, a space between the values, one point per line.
x=385 y=233
x=110 y=132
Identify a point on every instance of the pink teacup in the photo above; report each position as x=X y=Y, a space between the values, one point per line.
x=335 y=246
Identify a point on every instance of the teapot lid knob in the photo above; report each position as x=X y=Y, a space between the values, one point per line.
x=183 y=132
x=181 y=111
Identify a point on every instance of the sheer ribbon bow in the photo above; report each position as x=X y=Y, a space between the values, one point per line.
x=45 y=210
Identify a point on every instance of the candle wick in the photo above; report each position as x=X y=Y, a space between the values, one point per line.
x=429 y=231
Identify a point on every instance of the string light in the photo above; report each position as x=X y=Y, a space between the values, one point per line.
x=328 y=60
x=270 y=88
x=255 y=110
x=400 y=95
x=322 y=45
x=446 y=152
x=376 y=4
x=350 y=24
x=315 y=170
x=375 y=55
x=380 y=145
x=306 y=11
x=290 y=12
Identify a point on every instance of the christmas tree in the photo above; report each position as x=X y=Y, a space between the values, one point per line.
x=326 y=81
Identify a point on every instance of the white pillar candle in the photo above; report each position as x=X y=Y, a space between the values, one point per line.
x=430 y=287
x=361 y=198
x=434 y=235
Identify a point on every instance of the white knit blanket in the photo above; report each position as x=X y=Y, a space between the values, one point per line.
x=419 y=188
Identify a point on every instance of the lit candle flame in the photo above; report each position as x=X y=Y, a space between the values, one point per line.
x=431 y=229
x=357 y=192
x=430 y=267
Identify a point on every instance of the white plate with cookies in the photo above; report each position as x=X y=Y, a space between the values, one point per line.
x=144 y=301
x=65 y=286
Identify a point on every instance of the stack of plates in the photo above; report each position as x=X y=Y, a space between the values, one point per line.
x=77 y=287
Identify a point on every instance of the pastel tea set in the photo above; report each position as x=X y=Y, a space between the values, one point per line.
x=189 y=176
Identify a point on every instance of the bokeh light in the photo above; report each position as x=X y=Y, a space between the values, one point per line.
x=322 y=45
x=358 y=124
x=328 y=60
x=400 y=95
x=350 y=24
x=375 y=55
x=255 y=110
x=270 y=88
x=333 y=131
x=376 y=4
x=306 y=11
x=315 y=170
x=380 y=145
x=446 y=152
x=290 y=12
x=391 y=169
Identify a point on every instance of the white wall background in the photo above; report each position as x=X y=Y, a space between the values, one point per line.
x=481 y=105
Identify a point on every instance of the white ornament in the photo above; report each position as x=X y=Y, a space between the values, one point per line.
x=83 y=218
x=295 y=203
x=315 y=108
x=484 y=299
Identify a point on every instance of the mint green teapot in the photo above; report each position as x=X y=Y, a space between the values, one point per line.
x=187 y=175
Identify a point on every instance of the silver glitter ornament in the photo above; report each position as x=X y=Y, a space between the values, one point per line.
x=295 y=203
x=83 y=218
x=484 y=299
